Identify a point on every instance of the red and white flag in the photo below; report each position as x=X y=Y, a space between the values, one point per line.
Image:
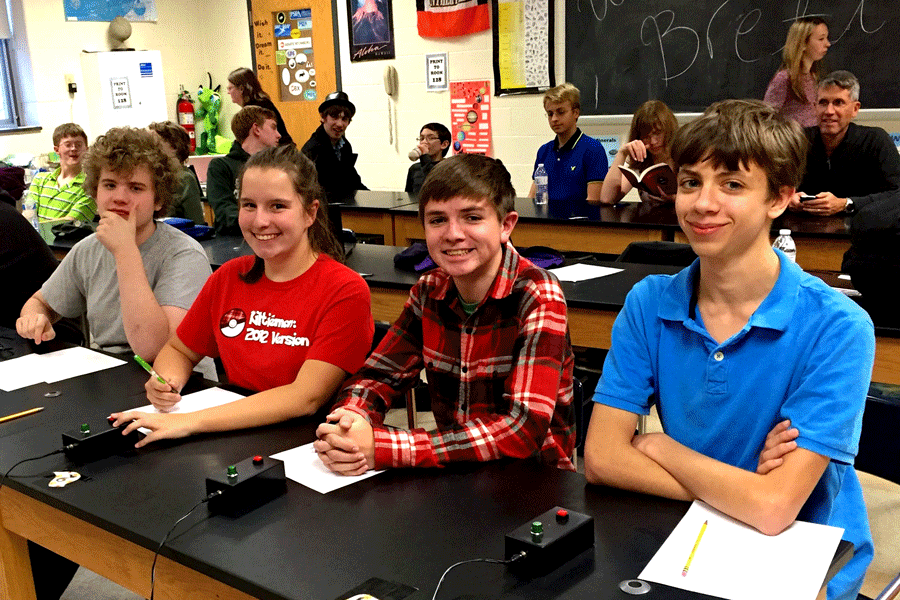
x=449 y=18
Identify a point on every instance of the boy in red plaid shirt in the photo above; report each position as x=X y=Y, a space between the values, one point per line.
x=488 y=327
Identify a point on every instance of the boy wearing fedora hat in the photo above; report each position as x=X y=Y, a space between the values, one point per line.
x=331 y=152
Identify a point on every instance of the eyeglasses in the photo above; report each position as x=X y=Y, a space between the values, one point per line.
x=429 y=138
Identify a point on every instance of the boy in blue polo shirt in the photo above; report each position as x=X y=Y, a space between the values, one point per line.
x=759 y=371
x=575 y=163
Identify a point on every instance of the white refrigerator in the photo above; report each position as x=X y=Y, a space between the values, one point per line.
x=123 y=88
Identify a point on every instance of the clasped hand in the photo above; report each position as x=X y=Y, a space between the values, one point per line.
x=346 y=443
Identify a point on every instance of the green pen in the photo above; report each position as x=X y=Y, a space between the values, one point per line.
x=150 y=370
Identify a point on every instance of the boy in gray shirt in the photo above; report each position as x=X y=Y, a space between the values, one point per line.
x=134 y=278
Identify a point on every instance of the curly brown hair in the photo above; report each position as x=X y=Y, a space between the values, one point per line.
x=122 y=150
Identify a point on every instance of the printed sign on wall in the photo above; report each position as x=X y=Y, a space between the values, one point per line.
x=436 y=72
x=294 y=63
x=470 y=117
x=121 y=93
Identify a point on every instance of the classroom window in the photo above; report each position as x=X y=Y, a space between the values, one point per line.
x=17 y=94
x=9 y=115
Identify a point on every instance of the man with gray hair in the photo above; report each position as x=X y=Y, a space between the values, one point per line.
x=848 y=166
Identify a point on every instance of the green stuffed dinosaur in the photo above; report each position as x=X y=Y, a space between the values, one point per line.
x=208 y=112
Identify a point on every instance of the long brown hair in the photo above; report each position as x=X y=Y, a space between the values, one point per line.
x=246 y=80
x=651 y=116
x=302 y=173
x=792 y=55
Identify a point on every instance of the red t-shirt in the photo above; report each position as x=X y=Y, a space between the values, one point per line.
x=264 y=331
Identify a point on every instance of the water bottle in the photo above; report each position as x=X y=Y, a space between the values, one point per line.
x=540 y=182
x=785 y=243
x=29 y=210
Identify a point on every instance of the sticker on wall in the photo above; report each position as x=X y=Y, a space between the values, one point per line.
x=294 y=55
x=470 y=117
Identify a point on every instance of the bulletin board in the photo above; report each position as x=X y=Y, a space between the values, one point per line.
x=295 y=68
x=300 y=112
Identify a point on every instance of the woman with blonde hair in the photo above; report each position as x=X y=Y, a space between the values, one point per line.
x=793 y=88
x=649 y=141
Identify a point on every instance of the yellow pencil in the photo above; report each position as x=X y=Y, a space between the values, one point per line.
x=24 y=413
x=687 y=565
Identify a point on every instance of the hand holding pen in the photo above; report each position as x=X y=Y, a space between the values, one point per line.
x=162 y=394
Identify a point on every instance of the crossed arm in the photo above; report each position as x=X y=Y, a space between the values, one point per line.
x=654 y=463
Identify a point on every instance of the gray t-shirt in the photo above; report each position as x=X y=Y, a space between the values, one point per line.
x=86 y=281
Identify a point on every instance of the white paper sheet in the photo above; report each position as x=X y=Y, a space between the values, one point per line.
x=189 y=403
x=21 y=372
x=72 y=362
x=581 y=272
x=302 y=465
x=737 y=562
x=52 y=367
x=193 y=402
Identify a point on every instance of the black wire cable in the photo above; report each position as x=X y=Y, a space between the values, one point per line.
x=166 y=538
x=494 y=561
x=25 y=460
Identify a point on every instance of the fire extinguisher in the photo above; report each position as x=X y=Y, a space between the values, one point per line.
x=186 y=116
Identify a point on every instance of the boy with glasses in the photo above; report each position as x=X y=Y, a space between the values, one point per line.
x=433 y=144
x=60 y=194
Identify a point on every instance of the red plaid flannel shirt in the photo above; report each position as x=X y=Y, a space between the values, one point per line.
x=500 y=380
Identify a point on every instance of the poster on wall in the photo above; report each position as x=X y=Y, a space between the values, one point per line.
x=294 y=63
x=470 y=117
x=523 y=46
x=371 y=27
x=107 y=10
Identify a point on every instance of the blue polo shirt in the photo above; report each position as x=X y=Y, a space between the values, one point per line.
x=580 y=161
x=806 y=355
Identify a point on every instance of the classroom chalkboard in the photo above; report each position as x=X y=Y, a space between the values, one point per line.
x=690 y=53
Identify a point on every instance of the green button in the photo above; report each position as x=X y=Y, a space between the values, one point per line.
x=232 y=471
x=85 y=428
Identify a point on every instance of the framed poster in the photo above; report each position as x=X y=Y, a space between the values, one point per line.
x=523 y=46
x=470 y=117
x=371 y=28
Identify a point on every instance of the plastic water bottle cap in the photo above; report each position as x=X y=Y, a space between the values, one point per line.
x=784 y=232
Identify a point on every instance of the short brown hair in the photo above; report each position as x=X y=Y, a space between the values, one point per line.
x=564 y=92
x=68 y=130
x=735 y=133
x=246 y=118
x=337 y=111
x=174 y=135
x=124 y=149
x=472 y=176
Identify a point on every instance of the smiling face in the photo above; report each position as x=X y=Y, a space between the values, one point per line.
x=563 y=119
x=817 y=45
x=275 y=221
x=71 y=150
x=726 y=215
x=835 y=110
x=129 y=195
x=335 y=126
x=465 y=238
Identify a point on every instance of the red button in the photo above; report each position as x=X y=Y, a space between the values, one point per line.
x=562 y=515
x=257 y=460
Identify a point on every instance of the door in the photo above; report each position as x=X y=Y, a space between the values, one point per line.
x=293 y=54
